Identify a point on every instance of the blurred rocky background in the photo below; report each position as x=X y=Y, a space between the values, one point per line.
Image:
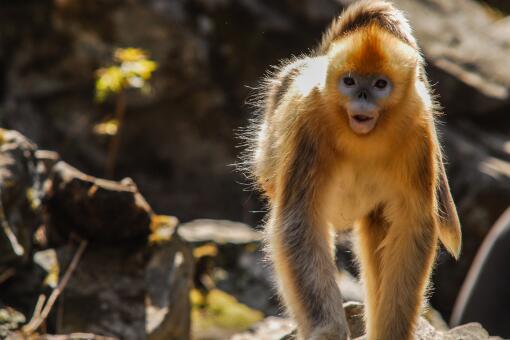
x=130 y=270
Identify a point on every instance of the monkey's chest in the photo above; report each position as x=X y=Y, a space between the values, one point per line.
x=352 y=195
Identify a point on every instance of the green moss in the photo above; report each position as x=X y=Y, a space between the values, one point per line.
x=219 y=310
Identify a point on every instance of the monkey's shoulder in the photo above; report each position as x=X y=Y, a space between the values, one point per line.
x=297 y=79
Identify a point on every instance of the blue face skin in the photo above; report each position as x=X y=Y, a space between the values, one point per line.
x=363 y=93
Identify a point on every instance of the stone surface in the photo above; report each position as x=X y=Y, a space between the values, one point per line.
x=72 y=336
x=269 y=329
x=95 y=209
x=20 y=198
x=127 y=284
x=168 y=280
x=10 y=320
x=461 y=41
x=228 y=255
x=130 y=292
x=218 y=231
x=282 y=329
x=106 y=294
x=354 y=314
x=479 y=170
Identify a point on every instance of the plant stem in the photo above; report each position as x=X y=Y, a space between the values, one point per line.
x=120 y=112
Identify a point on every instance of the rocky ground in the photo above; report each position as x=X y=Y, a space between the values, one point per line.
x=283 y=329
x=177 y=145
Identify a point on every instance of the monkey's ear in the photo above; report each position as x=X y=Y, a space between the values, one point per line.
x=449 y=226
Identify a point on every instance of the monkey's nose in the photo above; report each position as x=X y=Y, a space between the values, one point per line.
x=362 y=95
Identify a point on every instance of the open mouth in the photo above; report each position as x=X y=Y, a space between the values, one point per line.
x=362 y=123
x=362 y=118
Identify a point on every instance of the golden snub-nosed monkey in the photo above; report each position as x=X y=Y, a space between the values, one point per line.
x=346 y=139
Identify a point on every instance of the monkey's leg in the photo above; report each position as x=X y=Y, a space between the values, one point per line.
x=370 y=234
x=302 y=253
x=407 y=256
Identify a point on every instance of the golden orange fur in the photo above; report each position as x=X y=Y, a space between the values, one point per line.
x=320 y=176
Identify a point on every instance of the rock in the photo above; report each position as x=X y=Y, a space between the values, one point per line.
x=219 y=315
x=95 y=209
x=129 y=292
x=271 y=328
x=20 y=207
x=72 y=336
x=20 y=198
x=75 y=336
x=46 y=161
x=354 y=314
x=236 y=264
x=218 y=231
x=349 y=286
x=106 y=294
x=250 y=280
x=46 y=259
x=22 y=290
x=461 y=42
x=282 y=329
x=479 y=171
x=470 y=331
x=10 y=320
x=168 y=279
x=228 y=256
x=126 y=285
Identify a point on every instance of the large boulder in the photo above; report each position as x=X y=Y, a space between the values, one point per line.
x=127 y=292
x=478 y=166
x=94 y=208
x=134 y=276
x=465 y=44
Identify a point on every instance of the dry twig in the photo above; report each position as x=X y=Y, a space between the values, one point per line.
x=38 y=318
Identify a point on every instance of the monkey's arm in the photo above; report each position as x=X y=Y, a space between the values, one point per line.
x=301 y=245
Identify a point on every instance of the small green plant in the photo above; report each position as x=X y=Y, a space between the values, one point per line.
x=132 y=69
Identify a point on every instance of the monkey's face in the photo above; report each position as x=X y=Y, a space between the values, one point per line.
x=363 y=94
x=369 y=74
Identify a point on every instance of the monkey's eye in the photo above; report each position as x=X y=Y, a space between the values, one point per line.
x=380 y=83
x=349 y=81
